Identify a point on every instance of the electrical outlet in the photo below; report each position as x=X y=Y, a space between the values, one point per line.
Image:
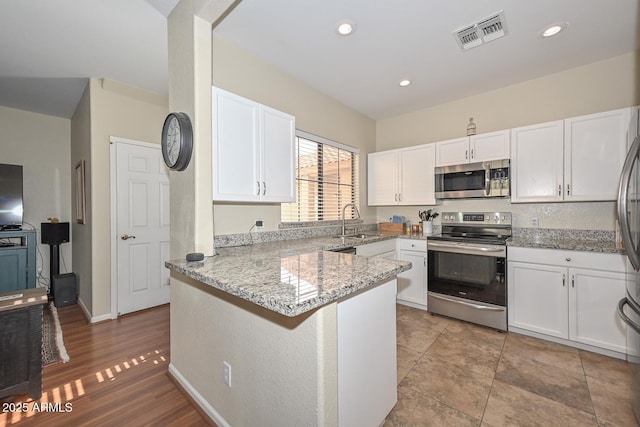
x=259 y=225
x=227 y=374
x=534 y=222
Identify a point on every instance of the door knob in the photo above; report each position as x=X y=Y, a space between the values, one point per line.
x=127 y=237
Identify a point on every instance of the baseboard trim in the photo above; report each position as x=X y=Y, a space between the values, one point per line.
x=89 y=317
x=208 y=411
x=569 y=343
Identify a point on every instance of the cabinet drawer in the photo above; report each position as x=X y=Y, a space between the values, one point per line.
x=412 y=244
x=568 y=258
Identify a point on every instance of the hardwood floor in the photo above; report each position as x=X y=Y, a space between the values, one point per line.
x=117 y=375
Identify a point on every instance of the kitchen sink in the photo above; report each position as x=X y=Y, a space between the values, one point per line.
x=358 y=236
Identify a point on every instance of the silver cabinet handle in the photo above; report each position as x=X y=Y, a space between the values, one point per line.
x=258 y=192
x=127 y=237
x=466 y=154
x=472 y=153
x=564 y=280
x=559 y=189
x=623 y=204
x=568 y=191
x=567 y=259
x=264 y=188
x=573 y=281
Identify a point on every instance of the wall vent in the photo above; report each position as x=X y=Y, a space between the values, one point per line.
x=481 y=32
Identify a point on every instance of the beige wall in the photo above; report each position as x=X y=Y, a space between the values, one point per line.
x=283 y=370
x=600 y=86
x=40 y=144
x=126 y=112
x=81 y=233
x=239 y=72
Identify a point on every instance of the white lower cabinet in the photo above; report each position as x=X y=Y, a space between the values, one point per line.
x=569 y=295
x=412 y=284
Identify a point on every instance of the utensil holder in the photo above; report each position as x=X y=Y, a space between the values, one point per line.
x=427 y=228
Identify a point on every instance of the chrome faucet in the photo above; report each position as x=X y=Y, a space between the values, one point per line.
x=343 y=217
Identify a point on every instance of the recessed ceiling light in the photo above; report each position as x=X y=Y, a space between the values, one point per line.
x=404 y=83
x=345 y=27
x=554 y=29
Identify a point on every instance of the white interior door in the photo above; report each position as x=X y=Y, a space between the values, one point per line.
x=142 y=185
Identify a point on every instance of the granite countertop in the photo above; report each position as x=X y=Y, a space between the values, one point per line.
x=294 y=276
x=588 y=245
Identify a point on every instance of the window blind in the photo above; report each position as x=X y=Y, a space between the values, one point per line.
x=326 y=180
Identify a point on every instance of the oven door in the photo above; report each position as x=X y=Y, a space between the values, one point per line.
x=468 y=282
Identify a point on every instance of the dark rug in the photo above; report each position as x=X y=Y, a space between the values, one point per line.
x=53 y=349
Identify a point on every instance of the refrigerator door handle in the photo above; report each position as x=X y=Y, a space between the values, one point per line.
x=626 y=319
x=623 y=204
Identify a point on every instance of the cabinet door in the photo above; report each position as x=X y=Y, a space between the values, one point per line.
x=278 y=156
x=417 y=183
x=595 y=148
x=538 y=298
x=382 y=178
x=452 y=151
x=490 y=146
x=13 y=269
x=412 y=283
x=537 y=162
x=593 y=298
x=235 y=147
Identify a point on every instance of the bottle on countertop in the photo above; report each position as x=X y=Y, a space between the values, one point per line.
x=471 y=127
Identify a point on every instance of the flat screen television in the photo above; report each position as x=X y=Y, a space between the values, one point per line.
x=10 y=197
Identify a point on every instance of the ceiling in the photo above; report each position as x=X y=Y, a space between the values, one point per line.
x=48 y=55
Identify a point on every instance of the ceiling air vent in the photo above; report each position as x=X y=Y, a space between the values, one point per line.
x=483 y=31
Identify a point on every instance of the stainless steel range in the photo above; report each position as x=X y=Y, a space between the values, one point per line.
x=468 y=267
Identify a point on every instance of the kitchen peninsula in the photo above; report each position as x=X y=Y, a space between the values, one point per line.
x=286 y=333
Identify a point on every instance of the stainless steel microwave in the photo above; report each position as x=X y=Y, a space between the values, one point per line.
x=473 y=180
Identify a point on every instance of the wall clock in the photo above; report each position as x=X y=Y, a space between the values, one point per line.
x=177 y=141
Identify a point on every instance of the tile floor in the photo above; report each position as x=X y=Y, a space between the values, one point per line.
x=453 y=373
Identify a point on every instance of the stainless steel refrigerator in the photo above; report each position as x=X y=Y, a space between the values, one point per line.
x=629 y=219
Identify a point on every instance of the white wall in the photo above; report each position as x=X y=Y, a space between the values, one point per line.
x=40 y=144
x=596 y=87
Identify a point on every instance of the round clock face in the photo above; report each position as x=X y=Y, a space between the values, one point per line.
x=173 y=140
x=177 y=141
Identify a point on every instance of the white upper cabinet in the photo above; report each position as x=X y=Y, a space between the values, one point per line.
x=402 y=177
x=595 y=147
x=537 y=162
x=490 y=146
x=452 y=151
x=253 y=151
x=471 y=149
x=578 y=159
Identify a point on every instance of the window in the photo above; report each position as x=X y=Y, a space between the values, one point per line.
x=326 y=180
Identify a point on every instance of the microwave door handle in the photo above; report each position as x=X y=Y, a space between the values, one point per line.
x=623 y=204
x=487 y=179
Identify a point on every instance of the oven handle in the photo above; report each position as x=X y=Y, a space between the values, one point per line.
x=470 y=250
x=476 y=306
